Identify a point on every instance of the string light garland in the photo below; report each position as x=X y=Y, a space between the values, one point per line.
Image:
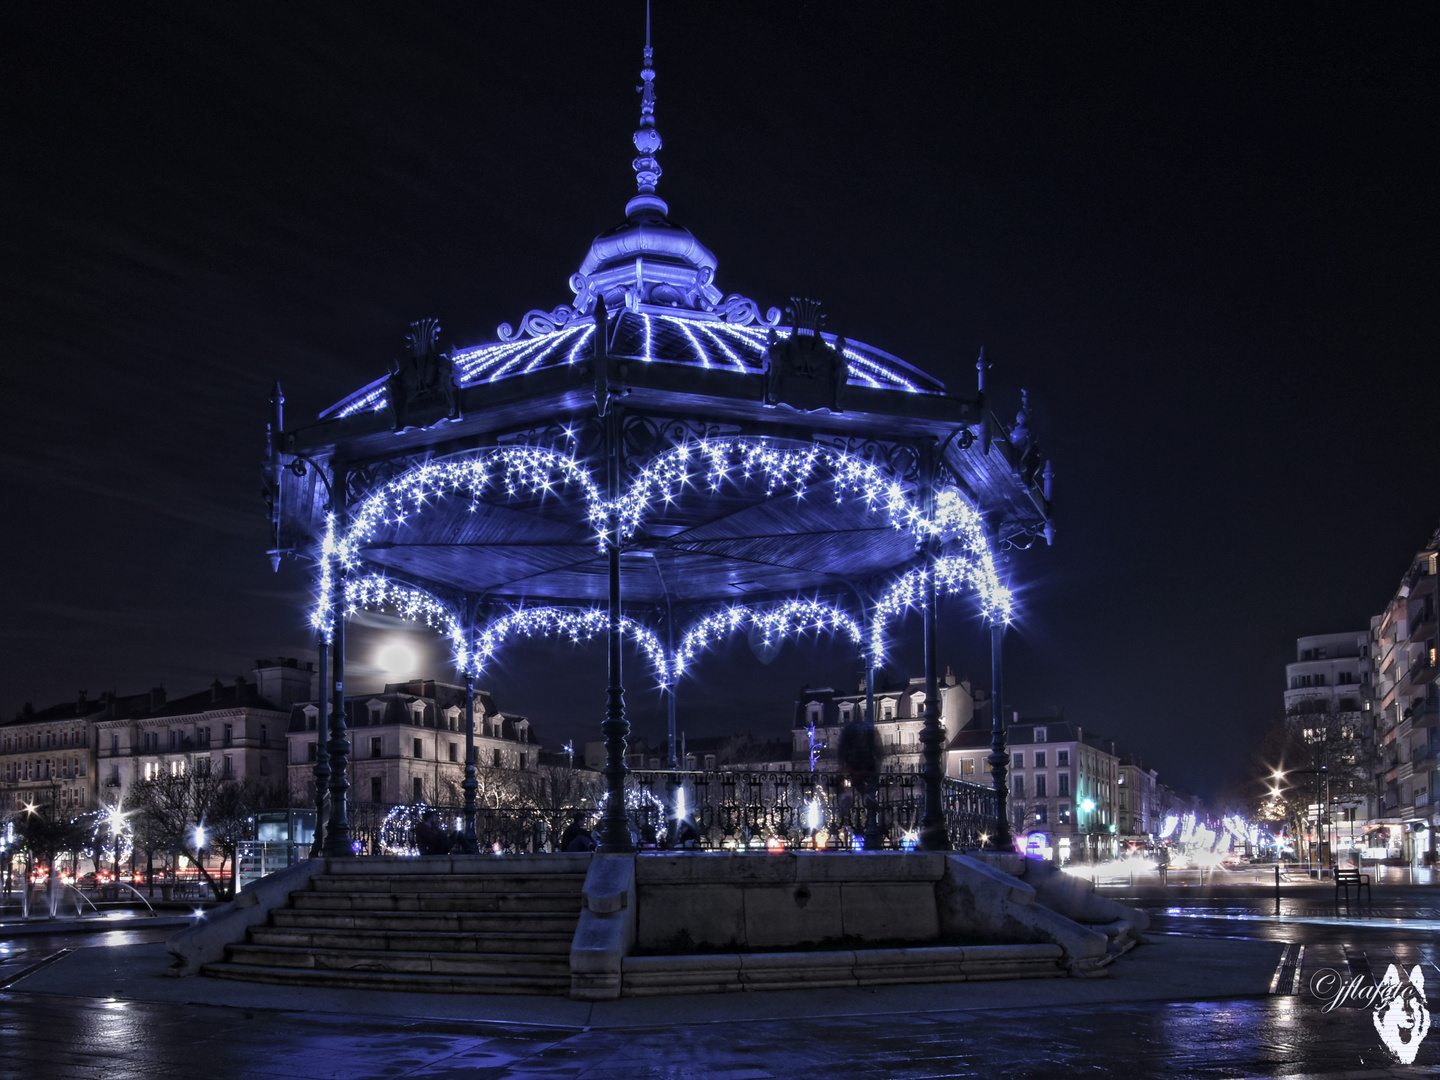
x=712 y=464
x=578 y=626
x=790 y=619
x=375 y=592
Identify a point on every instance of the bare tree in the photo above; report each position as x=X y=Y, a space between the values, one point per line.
x=1314 y=758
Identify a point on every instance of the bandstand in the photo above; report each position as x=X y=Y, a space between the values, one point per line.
x=660 y=465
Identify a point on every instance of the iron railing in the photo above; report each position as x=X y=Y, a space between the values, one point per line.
x=808 y=810
x=732 y=810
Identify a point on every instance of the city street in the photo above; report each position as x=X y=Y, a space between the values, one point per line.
x=1223 y=990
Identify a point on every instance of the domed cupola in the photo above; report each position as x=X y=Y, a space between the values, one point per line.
x=648 y=259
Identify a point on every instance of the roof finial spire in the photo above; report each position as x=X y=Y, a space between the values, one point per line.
x=647 y=139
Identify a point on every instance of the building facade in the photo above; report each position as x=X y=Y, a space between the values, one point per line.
x=1137 y=805
x=1331 y=676
x=233 y=731
x=46 y=757
x=408 y=745
x=1064 y=787
x=1406 y=709
x=821 y=713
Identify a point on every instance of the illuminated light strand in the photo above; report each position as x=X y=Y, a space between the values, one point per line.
x=478 y=361
x=729 y=352
x=578 y=626
x=535 y=363
x=952 y=573
x=375 y=592
x=790 y=619
x=517 y=470
x=575 y=350
x=533 y=345
x=649 y=354
x=863 y=363
x=520 y=471
x=375 y=400
x=694 y=342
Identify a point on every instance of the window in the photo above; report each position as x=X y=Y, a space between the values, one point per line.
x=1062 y=758
x=887 y=712
x=229 y=772
x=1042 y=814
x=419 y=749
x=1039 y=759
x=202 y=736
x=1041 y=734
x=174 y=739
x=1040 y=786
x=495 y=759
x=454 y=751
x=1019 y=787
x=229 y=735
x=418 y=787
x=202 y=766
x=177 y=768
x=1064 y=815
x=264 y=736
x=1018 y=761
x=967 y=766
x=524 y=759
x=709 y=761
x=312 y=751
x=1062 y=783
x=375 y=789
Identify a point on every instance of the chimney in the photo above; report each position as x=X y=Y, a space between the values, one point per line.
x=80 y=701
x=216 y=689
x=949 y=675
x=157 y=697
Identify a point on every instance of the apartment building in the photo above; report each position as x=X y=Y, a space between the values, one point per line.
x=407 y=744
x=46 y=757
x=821 y=713
x=1406 y=710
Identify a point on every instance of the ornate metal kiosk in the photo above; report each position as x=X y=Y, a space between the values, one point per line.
x=661 y=463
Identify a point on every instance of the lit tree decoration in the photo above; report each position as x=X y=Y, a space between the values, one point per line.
x=397 y=831
x=105 y=828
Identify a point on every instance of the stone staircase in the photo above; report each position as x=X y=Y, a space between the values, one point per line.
x=463 y=924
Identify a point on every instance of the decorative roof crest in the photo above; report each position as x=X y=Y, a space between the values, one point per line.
x=647 y=139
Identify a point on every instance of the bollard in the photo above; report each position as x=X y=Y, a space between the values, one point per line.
x=1277 y=888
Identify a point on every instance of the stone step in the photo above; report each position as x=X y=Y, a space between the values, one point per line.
x=456 y=901
x=447 y=883
x=434 y=922
x=380 y=980
x=421 y=961
x=410 y=940
x=558 y=863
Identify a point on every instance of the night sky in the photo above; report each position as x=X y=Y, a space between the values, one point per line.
x=1202 y=238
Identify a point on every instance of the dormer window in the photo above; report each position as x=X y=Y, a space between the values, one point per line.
x=1041 y=734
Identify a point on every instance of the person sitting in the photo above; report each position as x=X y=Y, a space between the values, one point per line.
x=576 y=837
x=430 y=838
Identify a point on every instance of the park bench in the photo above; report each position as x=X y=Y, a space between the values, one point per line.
x=1346 y=879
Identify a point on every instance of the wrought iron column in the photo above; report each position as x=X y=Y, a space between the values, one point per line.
x=470 y=784
x=999 y=759
x=322 y=752
x=933 y=834
x=337 y=835
x=614 y=826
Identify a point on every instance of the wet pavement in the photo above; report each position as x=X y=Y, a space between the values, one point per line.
x=1224 y=991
